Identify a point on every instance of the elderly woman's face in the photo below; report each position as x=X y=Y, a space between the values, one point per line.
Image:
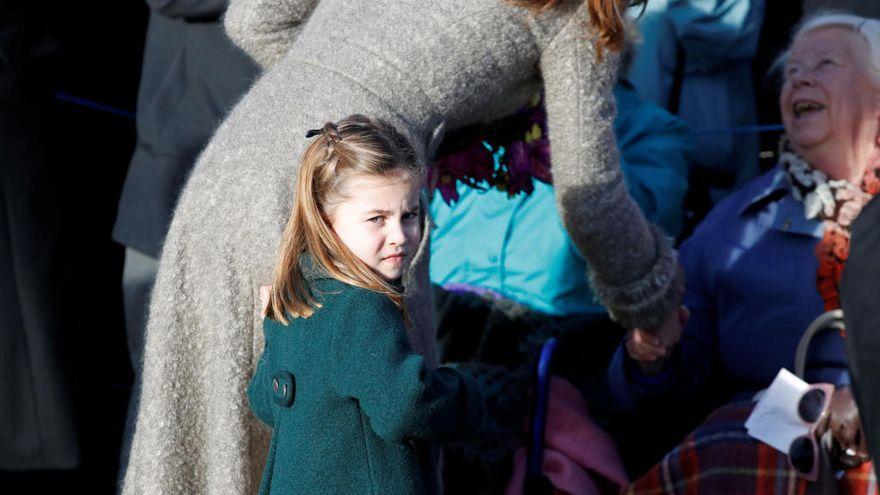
x=828 y=94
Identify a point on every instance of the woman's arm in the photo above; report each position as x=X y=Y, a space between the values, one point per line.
x=265 y=29
x=634 y=269
x=401 y=395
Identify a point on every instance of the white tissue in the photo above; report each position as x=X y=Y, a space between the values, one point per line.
x=775 y=419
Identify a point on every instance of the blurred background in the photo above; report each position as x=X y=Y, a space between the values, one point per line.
x=68 y=134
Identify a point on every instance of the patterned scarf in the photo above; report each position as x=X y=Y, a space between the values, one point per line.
x=507 y=154
x=837 y=203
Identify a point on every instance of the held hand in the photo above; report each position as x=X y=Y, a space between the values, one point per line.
x=652 y=347
x=850 y=447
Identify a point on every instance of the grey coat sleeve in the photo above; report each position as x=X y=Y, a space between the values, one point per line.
x=265 y=29
x=634 y=268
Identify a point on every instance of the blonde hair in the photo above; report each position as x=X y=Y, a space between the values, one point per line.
x=607 y=19
x=356 y=145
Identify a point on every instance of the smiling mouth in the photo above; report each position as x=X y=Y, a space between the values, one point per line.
x=395 y=257
x=805 y=107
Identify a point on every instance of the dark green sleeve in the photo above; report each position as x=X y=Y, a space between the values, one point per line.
x=259 y=389
x=400 y=395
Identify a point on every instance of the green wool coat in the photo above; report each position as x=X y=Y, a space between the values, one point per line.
x=352 y=408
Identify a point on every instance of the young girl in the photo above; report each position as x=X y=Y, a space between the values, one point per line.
x=352 y=408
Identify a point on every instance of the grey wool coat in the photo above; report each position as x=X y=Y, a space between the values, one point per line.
x=426 y=67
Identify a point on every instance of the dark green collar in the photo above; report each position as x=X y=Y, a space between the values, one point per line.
x=312 y=271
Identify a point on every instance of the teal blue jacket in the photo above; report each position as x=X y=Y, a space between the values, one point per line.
x=719 y=39
x=352 y=408
x=518 y=248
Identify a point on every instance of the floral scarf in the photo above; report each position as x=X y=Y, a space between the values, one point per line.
x=507 y=155
x=837 y=203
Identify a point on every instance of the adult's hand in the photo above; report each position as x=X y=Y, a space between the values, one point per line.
x=850 y=447
x=651 y=348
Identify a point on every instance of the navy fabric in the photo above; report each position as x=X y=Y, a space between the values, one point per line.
x=751 y=290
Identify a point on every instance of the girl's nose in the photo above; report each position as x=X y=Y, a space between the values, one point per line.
x=396 y=235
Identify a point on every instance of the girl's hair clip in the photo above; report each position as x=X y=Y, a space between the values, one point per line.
x=329 y=130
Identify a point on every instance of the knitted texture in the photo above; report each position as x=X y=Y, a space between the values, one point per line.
x=422 y=66
x=644 y=303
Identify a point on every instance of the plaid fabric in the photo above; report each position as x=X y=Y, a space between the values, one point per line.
x=720 y=457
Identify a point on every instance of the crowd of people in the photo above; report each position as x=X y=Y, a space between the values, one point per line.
x=351 y=227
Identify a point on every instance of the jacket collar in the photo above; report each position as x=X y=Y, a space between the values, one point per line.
x=311 y=270
x=772 y=193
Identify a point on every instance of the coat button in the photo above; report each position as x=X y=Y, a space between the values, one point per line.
x=283 y=388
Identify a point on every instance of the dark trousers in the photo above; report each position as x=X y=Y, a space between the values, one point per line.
x=37 y=424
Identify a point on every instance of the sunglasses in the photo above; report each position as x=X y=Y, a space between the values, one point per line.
x=803 y=453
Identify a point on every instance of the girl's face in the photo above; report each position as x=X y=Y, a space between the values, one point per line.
x=377 y=218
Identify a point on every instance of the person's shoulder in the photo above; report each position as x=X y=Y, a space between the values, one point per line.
x=354 y=314
x=340 y=297
x=547 y=25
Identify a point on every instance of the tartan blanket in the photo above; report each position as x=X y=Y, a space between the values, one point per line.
x=720 y=457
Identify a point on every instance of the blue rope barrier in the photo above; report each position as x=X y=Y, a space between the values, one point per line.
x=747 y=129
x=94 y=105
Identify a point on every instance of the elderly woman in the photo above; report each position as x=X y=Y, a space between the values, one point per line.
x=426 y=68
x=763 y=265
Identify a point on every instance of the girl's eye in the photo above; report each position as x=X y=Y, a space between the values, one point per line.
x=411 y=214
x=376 y=219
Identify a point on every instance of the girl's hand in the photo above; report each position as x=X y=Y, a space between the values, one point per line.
x=265 y=290
x=652 y=347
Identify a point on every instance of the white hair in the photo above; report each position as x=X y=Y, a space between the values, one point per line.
x=868 y=28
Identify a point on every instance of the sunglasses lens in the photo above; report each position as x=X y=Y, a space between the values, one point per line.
x=810 y=405
x=801 y=454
